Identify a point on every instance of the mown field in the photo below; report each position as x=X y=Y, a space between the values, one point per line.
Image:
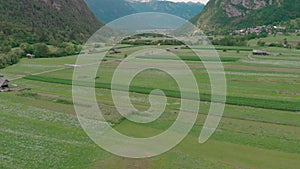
x=260 y=127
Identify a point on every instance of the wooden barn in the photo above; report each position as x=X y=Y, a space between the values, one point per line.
x=3 y=83
x=115 y=51
x=30 y=56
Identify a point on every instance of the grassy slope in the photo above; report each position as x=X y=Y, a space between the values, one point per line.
x=41 y=21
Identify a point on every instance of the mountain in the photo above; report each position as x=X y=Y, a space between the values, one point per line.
x=181 y=9
x=47 y=21
x=109 y=10
x=223 y=15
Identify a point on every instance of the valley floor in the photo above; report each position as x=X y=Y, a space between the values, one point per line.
x=260 y=127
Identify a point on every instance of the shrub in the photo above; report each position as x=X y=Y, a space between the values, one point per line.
x=70 y=50
x=298 y=46
x=62 y=45
x=285 y=41
x=41 y=50
x=275 y=45
x=5 y=49
x=97 y=46
x=230 y=41
x=27 y=48
x=9 y=59
x=30 y=95
x=261 y=43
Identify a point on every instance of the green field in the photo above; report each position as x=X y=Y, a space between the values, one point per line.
x=260 y=127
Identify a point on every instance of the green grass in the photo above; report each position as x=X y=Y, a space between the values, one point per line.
x=292 y=39
x=191 y=58
x=38 y=138
x=244 y=154
x=233 y=100
x=29 y=66
x=224 y=48
x=258 y=131
x=49 y=98
x=260 y=127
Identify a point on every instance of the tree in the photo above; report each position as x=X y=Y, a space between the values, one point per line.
x=70 y=50
x=5 y=49
x=77 y=48
x=261 y=43
x=285 y=41
x=41 y=50
x=298 y=46
x=3 y=63
x=27 y=48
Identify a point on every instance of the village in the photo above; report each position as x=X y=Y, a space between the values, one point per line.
x=269 y=29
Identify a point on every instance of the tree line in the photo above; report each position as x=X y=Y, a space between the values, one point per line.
x=10 y=56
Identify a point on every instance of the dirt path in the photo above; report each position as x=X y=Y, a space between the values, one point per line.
x=48 y=71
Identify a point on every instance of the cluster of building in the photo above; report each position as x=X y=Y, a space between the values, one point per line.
x=258 y=29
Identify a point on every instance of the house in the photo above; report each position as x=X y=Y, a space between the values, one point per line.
x=279 y=27
x=115 y=51
x=30 y=56
x=287 y=46
x=3 y=83
x=260 y=52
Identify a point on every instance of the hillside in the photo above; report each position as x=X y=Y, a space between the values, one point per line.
x=224 y=15
x=107 y=10
x=181 y=9
x=49 y=21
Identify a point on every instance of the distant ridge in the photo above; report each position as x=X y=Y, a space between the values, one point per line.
x=109 y=10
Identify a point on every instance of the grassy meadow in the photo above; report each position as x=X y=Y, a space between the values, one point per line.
x=260 y=127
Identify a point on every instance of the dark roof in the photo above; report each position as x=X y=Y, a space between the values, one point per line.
x=3 y=81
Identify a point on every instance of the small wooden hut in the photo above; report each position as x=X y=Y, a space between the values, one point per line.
x=3 y=82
